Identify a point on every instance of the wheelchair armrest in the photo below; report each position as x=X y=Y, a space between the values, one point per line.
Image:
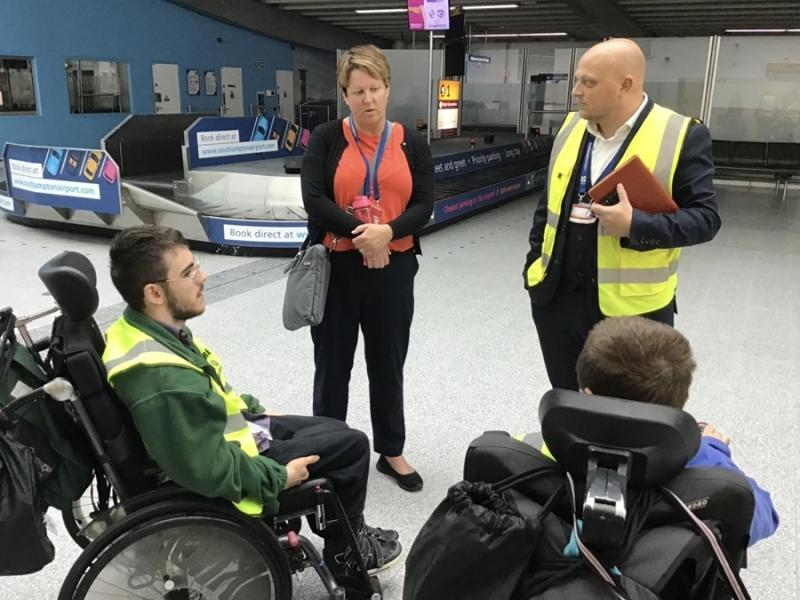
x=303 y=497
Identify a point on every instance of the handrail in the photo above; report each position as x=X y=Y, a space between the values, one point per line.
x=540 y=112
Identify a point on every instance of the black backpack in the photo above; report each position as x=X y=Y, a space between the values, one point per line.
x=615 y=513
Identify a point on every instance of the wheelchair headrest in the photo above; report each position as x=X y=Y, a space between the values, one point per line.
x=71 y=280
x=660 y=439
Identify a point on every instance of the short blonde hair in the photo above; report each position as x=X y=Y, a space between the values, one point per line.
x=369 y=59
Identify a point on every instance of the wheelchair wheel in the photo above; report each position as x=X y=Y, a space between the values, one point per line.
x=80 y=519
x=181 y=551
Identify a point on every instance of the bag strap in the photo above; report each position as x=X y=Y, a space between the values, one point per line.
x=735 y=583
x=525 y=476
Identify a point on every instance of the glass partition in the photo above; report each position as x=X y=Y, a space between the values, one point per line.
x=757 y=90
x=676 y=71
x=549 y=84
x=491 y=94
x=409 y=98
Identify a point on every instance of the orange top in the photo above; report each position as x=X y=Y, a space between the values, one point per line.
x=394 y=181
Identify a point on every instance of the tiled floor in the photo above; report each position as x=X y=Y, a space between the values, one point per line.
x=474 y=363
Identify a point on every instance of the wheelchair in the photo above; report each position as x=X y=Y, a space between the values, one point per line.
x=148 y=540
x=664 y=531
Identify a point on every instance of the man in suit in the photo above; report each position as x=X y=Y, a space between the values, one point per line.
x=588 y=261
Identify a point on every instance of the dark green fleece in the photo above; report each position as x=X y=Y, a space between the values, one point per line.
x=182 y=423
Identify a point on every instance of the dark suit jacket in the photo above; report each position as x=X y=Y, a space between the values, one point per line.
x=696 y=221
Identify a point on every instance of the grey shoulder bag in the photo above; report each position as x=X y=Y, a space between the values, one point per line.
x=306 y=287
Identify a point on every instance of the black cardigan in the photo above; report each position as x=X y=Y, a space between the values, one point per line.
x=319 y=168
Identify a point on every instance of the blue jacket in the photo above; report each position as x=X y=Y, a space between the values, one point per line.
x=714 y=453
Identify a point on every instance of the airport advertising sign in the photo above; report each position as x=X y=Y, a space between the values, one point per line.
x=6 y=202
x=72 y=178
x=462 y=204
x=252 y=232
x=449 y=101
x=428 y=15
x=452 y=165
x=213 y=141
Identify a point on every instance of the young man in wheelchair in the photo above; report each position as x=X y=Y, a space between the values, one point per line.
x=634 y=358
x=202 y=434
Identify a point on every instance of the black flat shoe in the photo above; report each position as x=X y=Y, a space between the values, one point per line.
x=411 y=482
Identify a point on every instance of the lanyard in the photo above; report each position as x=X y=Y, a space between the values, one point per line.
x=371 y=177
x=586 y=168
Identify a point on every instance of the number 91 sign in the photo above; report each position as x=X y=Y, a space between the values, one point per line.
x=449 y=90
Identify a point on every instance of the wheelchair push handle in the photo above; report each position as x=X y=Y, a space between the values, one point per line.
x=58 y=389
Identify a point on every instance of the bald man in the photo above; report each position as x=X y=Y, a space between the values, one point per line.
x=589 y=261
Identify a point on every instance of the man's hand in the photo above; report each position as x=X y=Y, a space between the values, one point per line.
x=297 y=470
x=616 y=219
x=370 y=237
x=379 y=260
x=711 y=431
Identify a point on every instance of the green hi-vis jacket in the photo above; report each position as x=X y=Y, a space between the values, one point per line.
x=189 y=418
x=629 y=282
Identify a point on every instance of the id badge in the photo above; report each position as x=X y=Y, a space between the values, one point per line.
x=581 y=213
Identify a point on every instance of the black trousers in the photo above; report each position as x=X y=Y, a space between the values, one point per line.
x=343 y=456
x=381 y=303
x=563 y=326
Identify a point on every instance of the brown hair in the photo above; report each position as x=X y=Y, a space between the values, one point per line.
x=137 y=258
x=637 y=359
x=367 y=58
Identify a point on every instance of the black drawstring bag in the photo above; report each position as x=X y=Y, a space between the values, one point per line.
x=24 y=545
x=475 y=545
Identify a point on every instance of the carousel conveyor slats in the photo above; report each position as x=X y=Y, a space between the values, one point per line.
x=445 y=188
x=159 y=183
x=162 y=183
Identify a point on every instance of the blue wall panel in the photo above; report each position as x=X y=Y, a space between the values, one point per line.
x=138 y=32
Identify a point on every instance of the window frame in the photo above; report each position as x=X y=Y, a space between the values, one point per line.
x=124 y=108
x=32 y=68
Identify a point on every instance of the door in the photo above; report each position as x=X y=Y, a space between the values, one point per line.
x=166 y=89
x=232 y=100
x=285 y=88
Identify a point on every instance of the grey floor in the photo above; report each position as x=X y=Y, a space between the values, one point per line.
x=474 y=363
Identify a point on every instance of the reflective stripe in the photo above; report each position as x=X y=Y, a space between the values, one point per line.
x=666 y=153
x=130 y=347
x=561 y=139
x=552 y=218
x=533 y=439
x=149 y=345
x=545 y=260
x=236 y=423
x=655 y=275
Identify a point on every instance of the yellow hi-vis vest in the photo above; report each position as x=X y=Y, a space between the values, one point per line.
x=629 y=282
x=128 y=347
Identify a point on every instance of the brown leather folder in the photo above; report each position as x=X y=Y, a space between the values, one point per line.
x=644 y=190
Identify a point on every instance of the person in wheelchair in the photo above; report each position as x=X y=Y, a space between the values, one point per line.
x=634 y=358
x=202 y=434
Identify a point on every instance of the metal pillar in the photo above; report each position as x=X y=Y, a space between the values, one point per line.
x=430 y=84
x=710 y=79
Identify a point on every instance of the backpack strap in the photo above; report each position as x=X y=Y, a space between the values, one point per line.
x=735 y=583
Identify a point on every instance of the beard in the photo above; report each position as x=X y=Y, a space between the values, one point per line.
x=180 y=311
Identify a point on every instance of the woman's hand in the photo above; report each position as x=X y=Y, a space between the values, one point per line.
x=371 y=238
x=378 y=260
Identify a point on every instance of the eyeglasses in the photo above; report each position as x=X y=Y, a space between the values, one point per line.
x=190 y=274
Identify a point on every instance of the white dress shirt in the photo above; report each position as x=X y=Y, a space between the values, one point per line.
x=606 y=148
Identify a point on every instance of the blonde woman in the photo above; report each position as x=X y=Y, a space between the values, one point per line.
x=368 y=190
